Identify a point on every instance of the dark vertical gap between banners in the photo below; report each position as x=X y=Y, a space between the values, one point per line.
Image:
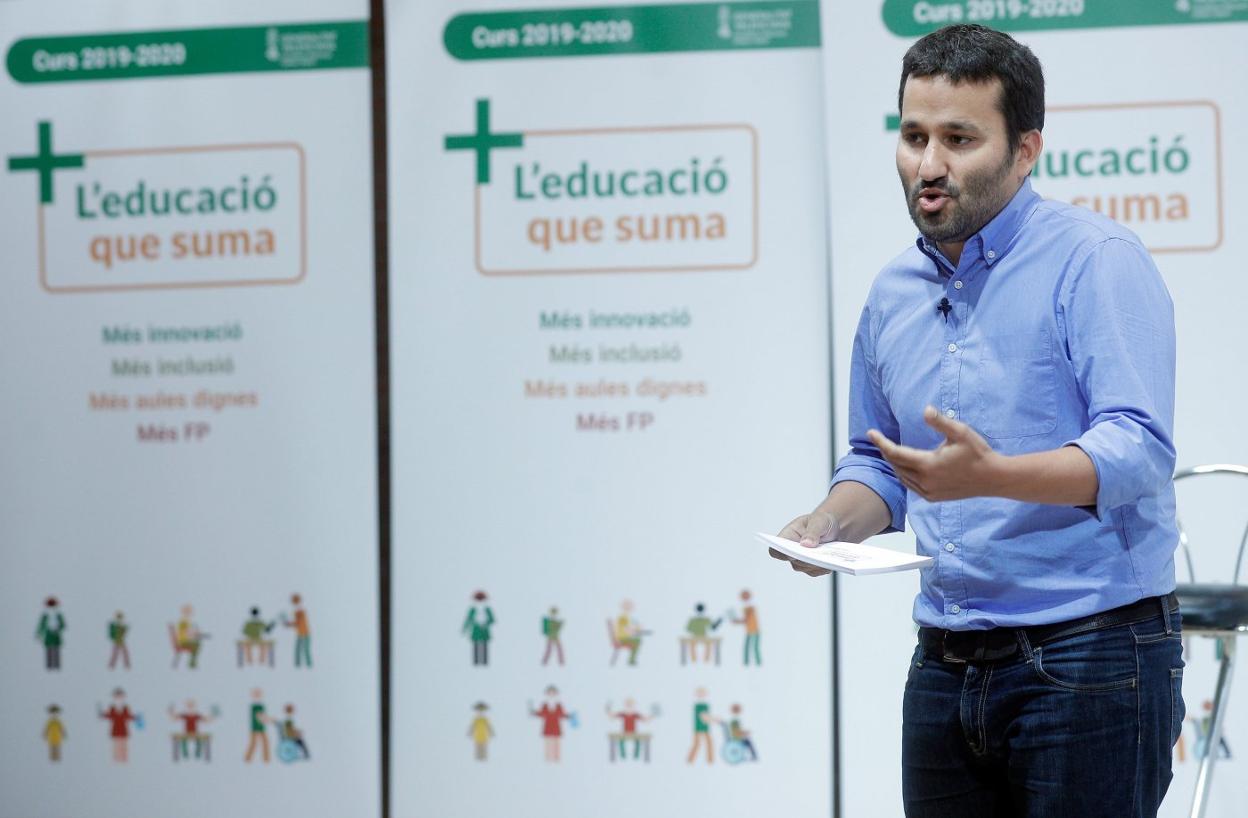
x=381 y=328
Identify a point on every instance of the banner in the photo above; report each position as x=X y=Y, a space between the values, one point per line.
x=609 y=367
x=189 y=565
x=1142 y=141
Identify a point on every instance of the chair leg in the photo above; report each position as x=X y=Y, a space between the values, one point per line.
x=1204 y=780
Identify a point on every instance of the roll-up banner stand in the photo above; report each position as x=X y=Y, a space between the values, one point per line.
x=609 y=367
x=188 y=566
x=1144 y=100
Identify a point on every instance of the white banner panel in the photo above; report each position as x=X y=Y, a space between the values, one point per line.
x=609 y=367
x=1140 y=139
x=188 y=483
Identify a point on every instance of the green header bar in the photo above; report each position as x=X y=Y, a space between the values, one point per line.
x=590 y=32
x=146 y=54
x=912 y=18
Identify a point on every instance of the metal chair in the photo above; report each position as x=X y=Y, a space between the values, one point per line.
x=1218 y=611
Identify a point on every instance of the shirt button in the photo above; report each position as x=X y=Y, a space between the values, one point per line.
x=957 y=285
x=953 y=347
x=955 y=609
x=949 y=413
x=991 y=254
x=949 y=546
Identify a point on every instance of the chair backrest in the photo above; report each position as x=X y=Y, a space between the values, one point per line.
x=615 y=643
x=173 y=636
x=1197 y=471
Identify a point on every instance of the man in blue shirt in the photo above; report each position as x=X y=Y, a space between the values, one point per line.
x=1012 y=395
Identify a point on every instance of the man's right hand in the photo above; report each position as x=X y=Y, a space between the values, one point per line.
x=808 y=530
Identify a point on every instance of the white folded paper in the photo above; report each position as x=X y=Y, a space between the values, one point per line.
x=847 y=557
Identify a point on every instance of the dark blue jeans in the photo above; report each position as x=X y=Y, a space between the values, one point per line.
x=1081 y=726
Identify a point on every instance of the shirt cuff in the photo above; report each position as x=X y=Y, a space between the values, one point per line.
x=887 y=486
x=1103 y=504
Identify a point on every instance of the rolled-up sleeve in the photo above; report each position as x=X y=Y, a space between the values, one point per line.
x=868 y=409
x=1119 y=327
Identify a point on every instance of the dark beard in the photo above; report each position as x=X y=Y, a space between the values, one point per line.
x=975 y=200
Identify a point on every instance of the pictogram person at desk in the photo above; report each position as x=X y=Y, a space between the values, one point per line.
x=187 y=637
x=629 y=719
x=628 y=632
x=190 y=733
x=255 y=633
x=701 y=628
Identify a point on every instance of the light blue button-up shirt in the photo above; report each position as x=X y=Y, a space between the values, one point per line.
x=1061 y=332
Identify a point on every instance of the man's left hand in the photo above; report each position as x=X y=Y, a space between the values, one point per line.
x=963 y=466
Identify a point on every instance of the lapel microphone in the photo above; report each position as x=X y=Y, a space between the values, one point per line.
x=944 y=307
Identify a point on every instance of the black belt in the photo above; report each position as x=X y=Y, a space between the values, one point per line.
x=995 y=644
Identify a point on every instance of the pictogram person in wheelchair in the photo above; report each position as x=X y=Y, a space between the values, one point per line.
x=290 y=743
x=737 y=743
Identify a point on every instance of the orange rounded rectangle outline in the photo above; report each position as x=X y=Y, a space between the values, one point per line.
x=692 y=268
x=1217 y=154
x=188 y=285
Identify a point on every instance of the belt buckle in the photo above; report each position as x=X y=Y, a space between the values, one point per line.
x=948 y=655
x=980 y=646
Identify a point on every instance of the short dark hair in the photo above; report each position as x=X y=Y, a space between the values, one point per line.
x=975 y=53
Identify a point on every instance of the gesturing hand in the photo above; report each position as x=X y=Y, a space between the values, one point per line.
x=809 y=530
x=964 y=465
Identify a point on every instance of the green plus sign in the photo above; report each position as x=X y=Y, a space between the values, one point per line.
x=483 y=141
x=45 y=162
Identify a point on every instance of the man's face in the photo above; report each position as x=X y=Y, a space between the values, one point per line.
x=953 y=157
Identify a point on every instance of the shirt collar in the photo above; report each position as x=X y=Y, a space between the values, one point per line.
x=995 y=238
